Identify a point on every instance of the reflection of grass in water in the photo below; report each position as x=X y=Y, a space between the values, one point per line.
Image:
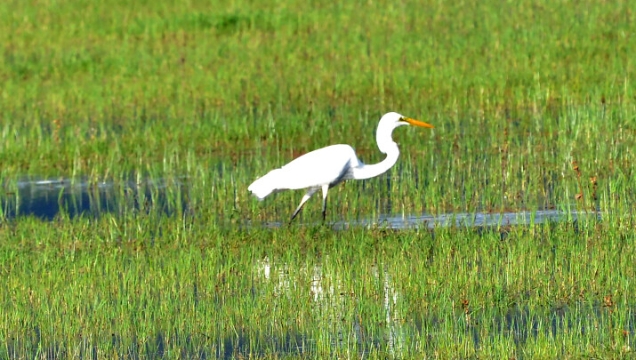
x=81 y=285
x=532 y=106
x=47 y=199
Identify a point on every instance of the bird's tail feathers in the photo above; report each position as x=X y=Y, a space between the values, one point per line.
x=267 y=184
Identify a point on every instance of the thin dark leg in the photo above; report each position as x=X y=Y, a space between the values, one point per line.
x=324 y=210
x=302 y=203
x=325 y=188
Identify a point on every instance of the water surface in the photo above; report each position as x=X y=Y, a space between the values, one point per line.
x=48 y=198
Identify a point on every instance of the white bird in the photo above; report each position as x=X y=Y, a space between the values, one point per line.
x=327 y=167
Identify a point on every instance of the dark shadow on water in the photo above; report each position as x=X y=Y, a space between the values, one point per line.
x=46 y=199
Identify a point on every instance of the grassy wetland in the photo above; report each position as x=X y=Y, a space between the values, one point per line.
x=154 y=117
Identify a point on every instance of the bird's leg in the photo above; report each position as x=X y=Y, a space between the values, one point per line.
x=302 y=202
x=325 y=188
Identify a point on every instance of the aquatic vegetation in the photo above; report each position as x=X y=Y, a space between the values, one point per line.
x=145 y=123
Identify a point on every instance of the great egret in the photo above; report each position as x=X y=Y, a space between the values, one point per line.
x=327 y=167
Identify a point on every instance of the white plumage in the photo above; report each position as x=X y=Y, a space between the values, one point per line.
x=327 y=167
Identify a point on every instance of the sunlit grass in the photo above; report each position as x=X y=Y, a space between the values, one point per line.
x=178 y=106
x=116 y=286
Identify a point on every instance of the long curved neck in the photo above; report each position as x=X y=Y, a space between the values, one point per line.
x=386 y=146
x=373 y=170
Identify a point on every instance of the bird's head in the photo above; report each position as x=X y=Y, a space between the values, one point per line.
x=389 y=122
x=393 y=120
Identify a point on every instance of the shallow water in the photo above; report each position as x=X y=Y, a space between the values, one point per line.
x=48 y=198
x=477 y=219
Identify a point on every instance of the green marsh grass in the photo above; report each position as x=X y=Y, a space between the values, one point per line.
x=533 y=104
x=156 y=285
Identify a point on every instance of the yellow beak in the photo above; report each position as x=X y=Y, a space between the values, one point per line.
x=417 y=123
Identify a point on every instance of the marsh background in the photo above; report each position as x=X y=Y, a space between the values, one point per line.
x=143 y=123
